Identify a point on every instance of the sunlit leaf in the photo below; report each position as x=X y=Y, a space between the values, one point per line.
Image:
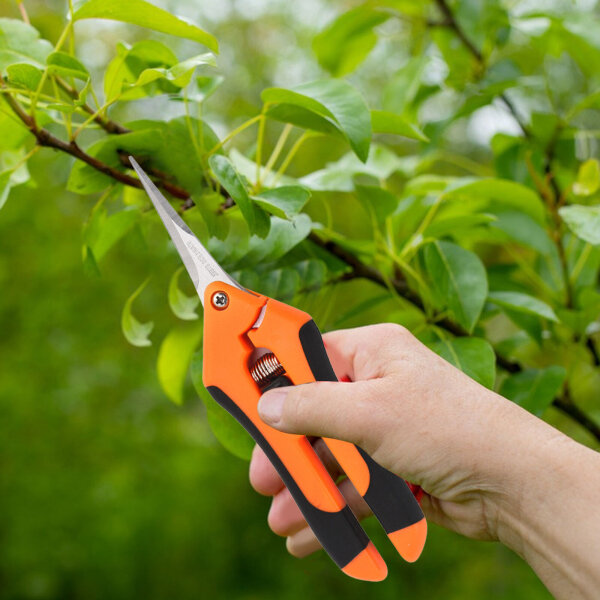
x=144 y=14
x=459 y=279
x=182 y=305
x=25 y=75
x=347 y=41
x=388 y=122
x=227 y=430
x=473 y=356
x=534 y=389
x=135 y=332
x=285 y=201
x=21 y=43
x=179 y=74
x=174 y=357
x=519 y=302
x=4 y=187
x=333 y=101
x=583 y=221
x=588 y=178
x=65 y=65
x=103 y=231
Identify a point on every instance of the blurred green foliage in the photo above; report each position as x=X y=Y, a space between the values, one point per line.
x=478 y=206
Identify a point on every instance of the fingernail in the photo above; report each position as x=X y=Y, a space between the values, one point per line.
x=270 y=406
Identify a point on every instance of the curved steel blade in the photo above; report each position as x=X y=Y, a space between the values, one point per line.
x=201 y=266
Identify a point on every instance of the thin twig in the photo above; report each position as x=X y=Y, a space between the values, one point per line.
x=358 y=269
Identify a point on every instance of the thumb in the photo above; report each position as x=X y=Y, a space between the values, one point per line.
x=326 y=409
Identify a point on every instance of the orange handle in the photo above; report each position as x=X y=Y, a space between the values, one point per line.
x=230 y=342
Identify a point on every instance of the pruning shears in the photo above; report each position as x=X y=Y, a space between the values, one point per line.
x=253 y=343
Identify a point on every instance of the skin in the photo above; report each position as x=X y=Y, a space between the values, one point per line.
x=489 y=469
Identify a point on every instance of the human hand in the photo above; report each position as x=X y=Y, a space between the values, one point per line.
x=416 y=415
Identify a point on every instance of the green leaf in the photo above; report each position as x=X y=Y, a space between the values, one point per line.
x=534 y=389
x=224 y=171
x=583 y=221
x=521 y=228
x=333 y=101
x=182 y=305
x=339 y=176
x=148 y=68
x=457 y=225
x=459 y=280
x=65 y=65
x=588 y=178
x=4 y=187
x=25 y=75
x=135 y=332
x=144 y=14
x=494 y=193
x=227 y=430
x=524 y=303
x=102 y=232
x=388 y=122
x=283 y=236
x=84 y=179
x=179 y=75
x=378 y=202
x=174 y=358
x=285 y=201
x=403 y=86
x=21 y=43
x=473 y=356
x=347 y=41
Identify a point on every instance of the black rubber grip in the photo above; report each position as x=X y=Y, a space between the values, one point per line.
x=339 y=532
x=388 y=495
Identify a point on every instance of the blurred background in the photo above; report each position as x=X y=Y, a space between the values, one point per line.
x=108 y=490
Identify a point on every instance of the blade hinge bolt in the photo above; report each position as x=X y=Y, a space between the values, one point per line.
x=220 y=300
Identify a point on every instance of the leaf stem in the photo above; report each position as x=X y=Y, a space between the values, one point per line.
x=233 y=133
x=23 y=12
x=276 y=151
x=290 y=156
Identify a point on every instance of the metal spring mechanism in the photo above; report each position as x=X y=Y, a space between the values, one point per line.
x=265 y=369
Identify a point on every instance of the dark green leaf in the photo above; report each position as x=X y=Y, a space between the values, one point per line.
x=144 y=14
x=333 y=101
x=534 y=389
x=459 y=279
x=224 y=171
x=473 y=356
x=378 y=202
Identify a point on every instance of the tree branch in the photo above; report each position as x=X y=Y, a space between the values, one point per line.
x=451 y=22
x=568 y=407
x=358 y=268
x=107 y=124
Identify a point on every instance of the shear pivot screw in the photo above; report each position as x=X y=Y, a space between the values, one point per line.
x=220 y=300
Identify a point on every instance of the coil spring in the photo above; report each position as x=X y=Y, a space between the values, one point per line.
x=265 y=369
